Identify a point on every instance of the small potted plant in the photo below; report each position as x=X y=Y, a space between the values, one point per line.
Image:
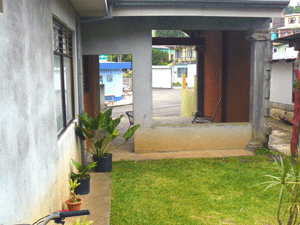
x=82 y=177
x=74 y=202
x=77 y=222
x=100 y=133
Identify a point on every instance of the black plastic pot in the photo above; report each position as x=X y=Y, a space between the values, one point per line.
x=84 y=187
x=104 y=164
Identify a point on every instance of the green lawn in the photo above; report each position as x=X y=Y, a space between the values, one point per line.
x=193 y=191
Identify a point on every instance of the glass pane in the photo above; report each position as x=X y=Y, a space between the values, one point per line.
x=57 y=88
x=68 y=87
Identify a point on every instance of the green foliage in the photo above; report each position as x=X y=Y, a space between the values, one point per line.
x=170 y=33
x=297 y=9
x=73 y=197
x=288 y=10
x=114 y=58
x=291 y=10
x=263 y=151
x=159 y=56
x=82 y=170
x=192 y=191
x=77 y=222
x=99 y=142
x=177 y=84
x=287 y=179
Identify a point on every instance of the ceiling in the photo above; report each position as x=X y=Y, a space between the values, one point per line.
x=90 y=8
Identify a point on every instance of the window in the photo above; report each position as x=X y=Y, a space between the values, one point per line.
x=178 y=54
x=109 y=78
x=292 y=20
x=63 y=75
x=190 y=53
x=181 y=71
x=275 y=49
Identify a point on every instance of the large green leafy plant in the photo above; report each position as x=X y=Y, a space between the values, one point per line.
x=101 y=131
x=289 y=194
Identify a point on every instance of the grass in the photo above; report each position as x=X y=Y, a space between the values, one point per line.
x=193 y=191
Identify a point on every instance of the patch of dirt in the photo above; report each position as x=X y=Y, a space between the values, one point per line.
x=280 y=138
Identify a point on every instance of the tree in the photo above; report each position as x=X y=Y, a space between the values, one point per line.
x=170 y=33
x=288 y=10
x=297 y=9
x=114 y=58
x=159 y=56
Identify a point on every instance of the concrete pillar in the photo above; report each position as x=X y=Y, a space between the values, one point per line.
x=102 y=97
x=170 y=54
x=91 y=85
x=183 y=81
x=260 y=74
x=200 y=80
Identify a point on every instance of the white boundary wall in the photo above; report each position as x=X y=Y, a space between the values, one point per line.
x=161 y=77
x=282 y=82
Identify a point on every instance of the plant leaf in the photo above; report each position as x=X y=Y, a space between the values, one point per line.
x=86 y=120
x=85 y=131
x=100 y=142
x=96 y=123
x=79 y=133
x=130 y=132
x=88 y=168
x=115 y=134
x=78 y=165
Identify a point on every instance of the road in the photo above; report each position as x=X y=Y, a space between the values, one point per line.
x=165 y=102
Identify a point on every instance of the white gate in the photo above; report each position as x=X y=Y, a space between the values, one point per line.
x=161 y=77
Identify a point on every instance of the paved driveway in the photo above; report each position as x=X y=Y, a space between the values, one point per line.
x=165 y=103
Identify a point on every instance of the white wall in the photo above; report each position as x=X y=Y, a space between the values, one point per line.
x=281 y=82
x=35 y=165
x=126 y=36
x=192 y=71
x=161 y=77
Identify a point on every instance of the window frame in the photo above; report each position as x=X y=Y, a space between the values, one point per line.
x=292 y=20
x=1 y=6
x=64 y=52
x=179 y=73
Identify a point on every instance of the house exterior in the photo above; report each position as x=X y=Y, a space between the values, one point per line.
x=39 y=38
x=292 y=25
x=282 y=75
x=112 y=77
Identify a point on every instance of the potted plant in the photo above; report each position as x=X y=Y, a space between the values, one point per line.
x=82 y=177
x=74 y=202
x=77 y=222
x=100 y=133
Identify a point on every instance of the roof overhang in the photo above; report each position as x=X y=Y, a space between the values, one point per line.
x=293 y=40
x=201 y=3
x=216 y=8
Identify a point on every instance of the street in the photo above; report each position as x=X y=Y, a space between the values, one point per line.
x=165 y=103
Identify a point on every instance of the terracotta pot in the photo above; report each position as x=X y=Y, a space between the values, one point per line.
x=74 y=206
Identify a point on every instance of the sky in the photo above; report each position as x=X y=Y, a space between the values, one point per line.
x=293 y=2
